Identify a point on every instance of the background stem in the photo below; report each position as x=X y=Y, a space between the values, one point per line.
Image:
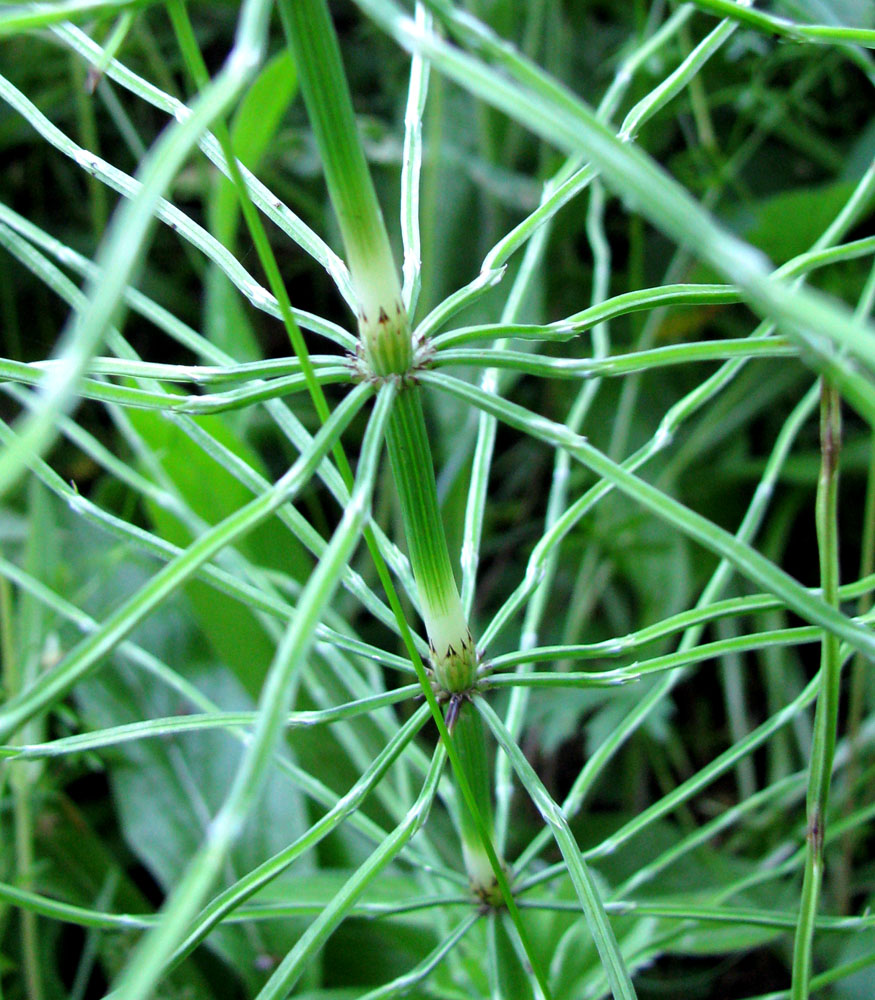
x=826 y=713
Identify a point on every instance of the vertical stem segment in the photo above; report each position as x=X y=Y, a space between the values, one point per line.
x=469 y=738
x=452 y=648
x=826 y=714
x=385 y=342
x=383 y=324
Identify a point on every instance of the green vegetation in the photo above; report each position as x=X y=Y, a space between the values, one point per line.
x=437 y=500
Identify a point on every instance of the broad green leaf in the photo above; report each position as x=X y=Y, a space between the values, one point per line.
x=786 y=224
x=238 y=637
x=166 y=792
x=255 y=124
x=852 y=13
x=211 y=492
x=861 y=983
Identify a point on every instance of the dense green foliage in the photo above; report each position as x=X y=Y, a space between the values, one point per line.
x=634 y=257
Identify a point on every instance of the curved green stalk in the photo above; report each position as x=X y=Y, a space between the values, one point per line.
x=172 y=725
x=826 y=713
x=770 y=24
x=19 y=19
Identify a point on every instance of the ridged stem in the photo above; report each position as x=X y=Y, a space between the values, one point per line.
x=384 y=328
x=452 y=648
x=469 y=738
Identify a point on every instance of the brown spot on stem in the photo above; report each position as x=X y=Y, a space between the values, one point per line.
x=831 y=450
x=815 y=832
x=383 y=318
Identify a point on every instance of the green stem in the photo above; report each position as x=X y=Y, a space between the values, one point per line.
x=24 y=857
x=452 y=648
x=857 y=692
x=469 y=737
x=826 y=714
x=859 y=672
x=384 y=328
x=21 y=786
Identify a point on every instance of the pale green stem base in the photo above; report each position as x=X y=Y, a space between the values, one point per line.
x=469 y=737
x=454 y=657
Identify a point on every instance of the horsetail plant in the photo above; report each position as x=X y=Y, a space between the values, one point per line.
x=386 y=351
x=630 y=352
